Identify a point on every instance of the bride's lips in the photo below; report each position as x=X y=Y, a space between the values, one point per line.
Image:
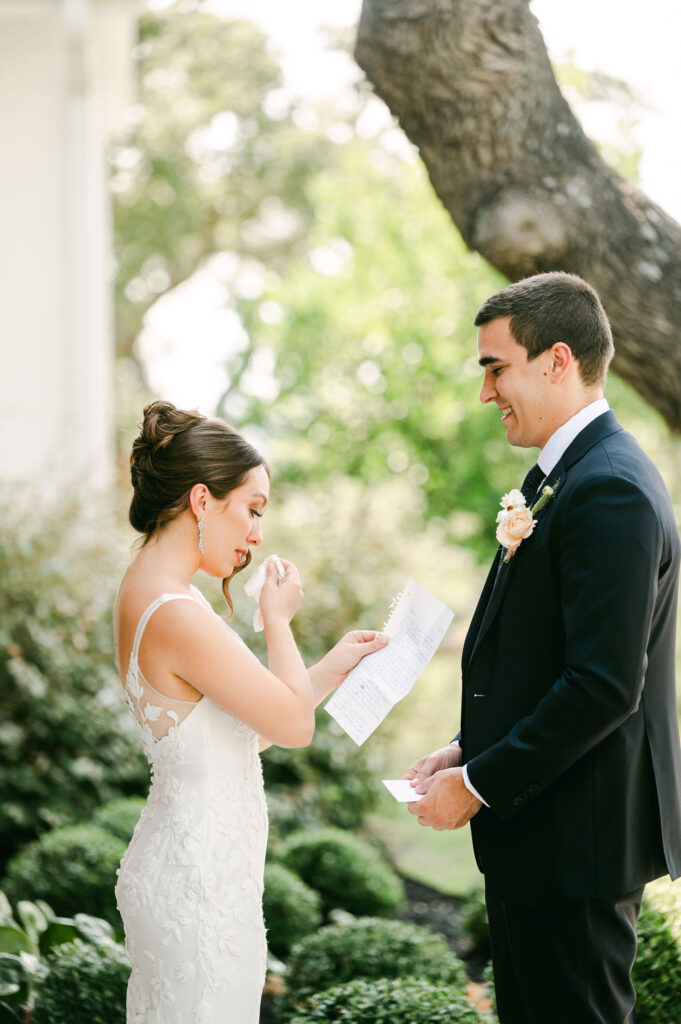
x=240 y=555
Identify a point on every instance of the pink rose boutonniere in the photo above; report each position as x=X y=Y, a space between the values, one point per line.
x=516 y=521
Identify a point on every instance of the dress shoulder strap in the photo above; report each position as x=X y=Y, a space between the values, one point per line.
x=141 y=625
x=200 y=598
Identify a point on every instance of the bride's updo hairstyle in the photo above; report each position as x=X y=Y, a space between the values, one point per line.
x=175 y=450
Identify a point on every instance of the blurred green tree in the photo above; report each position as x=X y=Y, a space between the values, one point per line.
x=355 y=293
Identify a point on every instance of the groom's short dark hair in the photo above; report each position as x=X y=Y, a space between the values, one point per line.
x=552 y=307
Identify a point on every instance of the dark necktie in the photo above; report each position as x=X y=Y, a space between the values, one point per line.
x=531 y=482
x=534 y=477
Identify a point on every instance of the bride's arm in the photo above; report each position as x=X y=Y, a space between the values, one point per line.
x=276 y=702
x=334 y=667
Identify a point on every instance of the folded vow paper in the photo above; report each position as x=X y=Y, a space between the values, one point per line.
x=402 y=790
x=416 y=626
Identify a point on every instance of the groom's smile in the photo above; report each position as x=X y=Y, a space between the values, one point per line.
x=518 y=386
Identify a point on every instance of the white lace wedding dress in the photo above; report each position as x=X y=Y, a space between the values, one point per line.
x=190 y=884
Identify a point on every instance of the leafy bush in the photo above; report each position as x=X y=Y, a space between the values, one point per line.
x=370 y=948
x=473 y=917
x=291 y=908
x=120 y=816
x=72 y=868
x=346 y=871
x=67 y=742
x=331 y=782
x=85 y=984
x=26 y=935
x=657 y=969
x=388 y=1001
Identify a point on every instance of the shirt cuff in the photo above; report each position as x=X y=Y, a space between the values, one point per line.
x=471 y=788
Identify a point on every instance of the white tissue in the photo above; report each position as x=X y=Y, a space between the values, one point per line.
x=256 y=582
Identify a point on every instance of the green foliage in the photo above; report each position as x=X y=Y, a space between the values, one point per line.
x=657 y=969
x=473 y=918
x=331 y=782
x=213 y=161
x=26 y=935
x=345 y=870
x=291 y=909
x=392 y=389
x=120 y=816
x=72 y=868
x=67 y=743
x=338 y=263
x=389 y=1001
x=85 y=985
x=370 y=948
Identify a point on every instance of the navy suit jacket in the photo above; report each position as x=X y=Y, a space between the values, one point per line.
x=569 y=720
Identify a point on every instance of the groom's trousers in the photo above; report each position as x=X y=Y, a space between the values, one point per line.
x=568 y=963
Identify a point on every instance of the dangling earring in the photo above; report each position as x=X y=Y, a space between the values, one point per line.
x=201 y=547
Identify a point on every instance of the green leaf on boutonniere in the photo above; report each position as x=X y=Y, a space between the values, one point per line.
x=547 y=495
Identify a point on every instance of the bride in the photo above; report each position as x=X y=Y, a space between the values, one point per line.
x=190 y=884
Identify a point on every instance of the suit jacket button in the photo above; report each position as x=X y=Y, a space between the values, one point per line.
x=518 y=802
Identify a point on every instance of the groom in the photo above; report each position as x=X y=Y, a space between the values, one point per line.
x=568 y=762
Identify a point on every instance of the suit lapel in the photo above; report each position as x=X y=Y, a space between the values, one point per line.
x=491 y=606
x=492 y=595
x=479 y=613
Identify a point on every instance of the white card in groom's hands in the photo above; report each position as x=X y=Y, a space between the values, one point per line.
x=402 y=790
x=417 y=623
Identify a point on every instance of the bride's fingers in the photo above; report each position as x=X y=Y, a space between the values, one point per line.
x=373 y=643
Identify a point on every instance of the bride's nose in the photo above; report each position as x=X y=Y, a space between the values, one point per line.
x=255 y=534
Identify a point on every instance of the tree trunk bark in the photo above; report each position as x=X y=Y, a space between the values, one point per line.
x=473 y=88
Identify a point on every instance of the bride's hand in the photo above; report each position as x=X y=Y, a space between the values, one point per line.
x=280 y=598
x=348 y=653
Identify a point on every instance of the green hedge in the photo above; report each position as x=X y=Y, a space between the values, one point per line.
x=389 y=1001
x=331 y=782
x=67 y=743
x=370 y=948
x=120 y=816
x=72 y=868
x=84 y=984
x=657 y=969
x=292 y=910
x=347 y=872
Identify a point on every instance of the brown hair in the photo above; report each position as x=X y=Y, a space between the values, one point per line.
x=175 y=450
x=552 y=307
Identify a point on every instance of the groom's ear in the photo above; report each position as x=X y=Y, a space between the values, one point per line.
x=560 y=362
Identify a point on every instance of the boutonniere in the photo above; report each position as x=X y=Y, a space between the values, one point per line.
x=516 y=521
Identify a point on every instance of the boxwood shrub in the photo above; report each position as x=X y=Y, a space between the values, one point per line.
x=292 y=910
x=388 y=1001
x=345 y=870
x=370 y=948
x=67 y=743
x=657 y=969
x=71 y=868
x=84 y=984
x=120 y=816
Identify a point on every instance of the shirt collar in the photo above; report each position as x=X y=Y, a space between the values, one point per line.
x=561 y=439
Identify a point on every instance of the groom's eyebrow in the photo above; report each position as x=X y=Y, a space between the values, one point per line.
x=486 y=360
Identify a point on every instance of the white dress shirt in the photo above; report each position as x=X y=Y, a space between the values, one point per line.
x=549 y=457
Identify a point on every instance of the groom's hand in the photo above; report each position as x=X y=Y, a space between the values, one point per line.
x=445 y=757
x=446 y=802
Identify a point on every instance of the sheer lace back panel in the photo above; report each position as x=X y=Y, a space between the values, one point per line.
x=156 y=713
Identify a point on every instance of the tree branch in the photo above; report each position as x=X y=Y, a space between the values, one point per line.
x=473 y=88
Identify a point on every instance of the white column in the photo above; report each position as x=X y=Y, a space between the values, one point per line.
x=62 y=82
